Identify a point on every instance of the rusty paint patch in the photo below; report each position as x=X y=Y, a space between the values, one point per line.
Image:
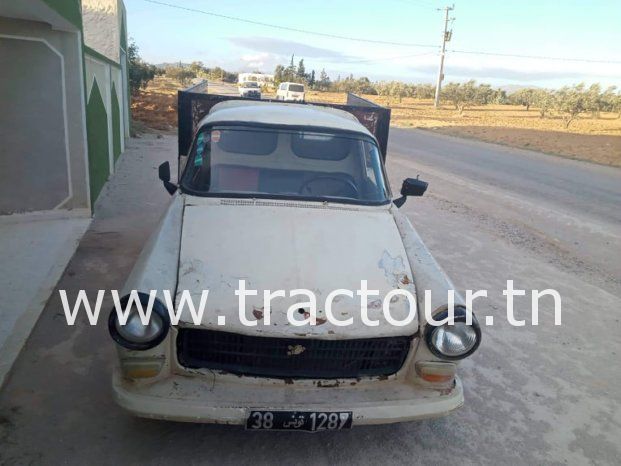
x=406 y=280
x=376 y=304
x=320 y=320
x=294 y=350
x=257 y=312
x=321 y=384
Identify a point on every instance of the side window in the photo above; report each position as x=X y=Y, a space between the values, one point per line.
x=370 y=154
x=282 y=86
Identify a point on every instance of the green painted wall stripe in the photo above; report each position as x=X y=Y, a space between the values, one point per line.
x=97 y=135
x=95 y=54
x=69 y=9
x=116 y=124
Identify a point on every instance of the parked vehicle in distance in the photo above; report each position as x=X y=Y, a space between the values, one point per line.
x=291 y=92
x=250 y=89
x=288 y=197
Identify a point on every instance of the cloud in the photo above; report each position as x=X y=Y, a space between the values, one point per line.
x=284 y=47
x=256 y=60
x=521 y=70
x=498 y=73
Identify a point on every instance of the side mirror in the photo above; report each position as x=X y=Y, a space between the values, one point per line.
x=411 y=187
x=164 y=174
x=164 y=171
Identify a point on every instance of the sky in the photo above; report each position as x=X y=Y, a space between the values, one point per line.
x=570 y=29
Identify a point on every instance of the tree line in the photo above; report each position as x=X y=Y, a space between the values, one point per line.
x=567 y=102
x=140 y=72
x=185 y=73
x=570 y=101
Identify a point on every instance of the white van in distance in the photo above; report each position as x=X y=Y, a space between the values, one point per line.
x=292 y=92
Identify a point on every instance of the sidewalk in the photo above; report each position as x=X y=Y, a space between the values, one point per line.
x=34 y=250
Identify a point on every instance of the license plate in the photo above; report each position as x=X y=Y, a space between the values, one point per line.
x=309 y=421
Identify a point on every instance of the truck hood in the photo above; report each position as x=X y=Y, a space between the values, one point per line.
x=286 y=245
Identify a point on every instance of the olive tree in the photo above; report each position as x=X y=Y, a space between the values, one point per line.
x=180 y=73
x=467 y=94
x=593 y=100
x=424 y=91
x=611 y=100
x=525 y=97
x=544 y=100
x=570 y=102
x=140 y=73
x=391 y=89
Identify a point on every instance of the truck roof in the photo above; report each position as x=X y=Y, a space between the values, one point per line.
x=283 y=114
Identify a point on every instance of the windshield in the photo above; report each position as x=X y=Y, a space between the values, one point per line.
x=250 y=84
x=296 y=88
x=275 y=162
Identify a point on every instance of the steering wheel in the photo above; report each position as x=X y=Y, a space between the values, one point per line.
x=350 y=188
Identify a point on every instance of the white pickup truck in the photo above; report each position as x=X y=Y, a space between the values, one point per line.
x=288 y=197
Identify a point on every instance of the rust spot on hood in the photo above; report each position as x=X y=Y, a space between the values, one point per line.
x=320 y=320
x=336 y=383
x=257 y=313
x=294 y=350
x=375 y=304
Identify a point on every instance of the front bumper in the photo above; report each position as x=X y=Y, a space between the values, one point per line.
x=212 y=399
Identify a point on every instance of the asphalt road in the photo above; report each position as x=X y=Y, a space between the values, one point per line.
x=534 y=395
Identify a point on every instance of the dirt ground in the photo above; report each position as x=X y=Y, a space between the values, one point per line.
x=596 y=140
x=156 y=106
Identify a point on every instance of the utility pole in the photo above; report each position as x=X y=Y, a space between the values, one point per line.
x=446 y=37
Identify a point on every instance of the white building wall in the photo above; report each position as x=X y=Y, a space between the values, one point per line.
x=258 y=77
x=63 y=49
x=102 y=27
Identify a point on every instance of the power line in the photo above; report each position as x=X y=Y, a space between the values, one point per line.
x=372 y=41
x=292 y=29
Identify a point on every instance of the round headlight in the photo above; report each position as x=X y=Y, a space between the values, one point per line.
x=134 y=334
x=455 y=341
